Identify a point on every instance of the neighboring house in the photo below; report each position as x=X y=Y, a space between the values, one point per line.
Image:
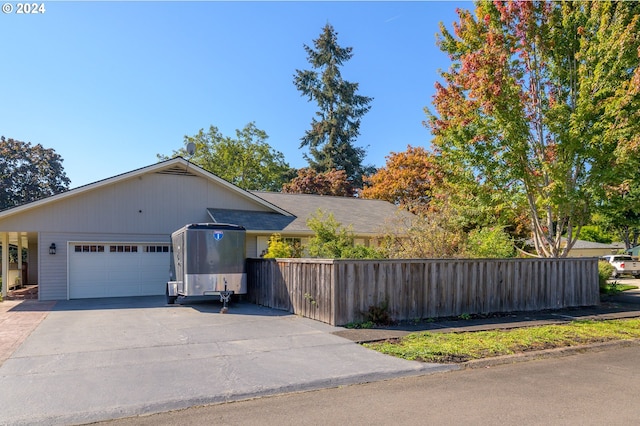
x=634 y=251
x=583 y=248
x=590 y=249
x=111 y=238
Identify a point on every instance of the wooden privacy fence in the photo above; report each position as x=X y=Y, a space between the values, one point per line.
x=339 y=291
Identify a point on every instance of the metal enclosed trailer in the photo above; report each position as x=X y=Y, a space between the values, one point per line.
x=208 y=259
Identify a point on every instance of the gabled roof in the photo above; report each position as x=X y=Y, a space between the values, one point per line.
x=251 y=220
x=581 y=244
x=287 y=213
x=367 y=217
x=177 y=165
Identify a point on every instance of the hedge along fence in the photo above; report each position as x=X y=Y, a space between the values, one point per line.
x=341 y=291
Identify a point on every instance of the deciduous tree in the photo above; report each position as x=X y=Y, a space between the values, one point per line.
x=407 y=180
x=28 y=173
x=308 y=181
x=247 y=160
x=619 y=212
x=542 y=98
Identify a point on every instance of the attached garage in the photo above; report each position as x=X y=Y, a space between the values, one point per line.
x=117 y=269
x=111 y=238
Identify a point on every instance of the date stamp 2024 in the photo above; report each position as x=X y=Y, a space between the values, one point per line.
x=24 y=8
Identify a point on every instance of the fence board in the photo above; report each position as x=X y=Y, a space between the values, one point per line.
x=338 y=292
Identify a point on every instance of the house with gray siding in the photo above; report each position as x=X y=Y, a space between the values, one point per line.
x=112 y=238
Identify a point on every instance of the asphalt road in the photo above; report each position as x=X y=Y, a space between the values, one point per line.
x=591 y=388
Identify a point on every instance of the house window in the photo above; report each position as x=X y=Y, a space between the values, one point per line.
x=156 y=249
x=93 y=248
x=123 y=249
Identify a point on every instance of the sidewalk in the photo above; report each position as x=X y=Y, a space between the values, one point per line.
x=623 y=305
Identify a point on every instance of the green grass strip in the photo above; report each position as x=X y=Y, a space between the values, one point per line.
x=465 y=346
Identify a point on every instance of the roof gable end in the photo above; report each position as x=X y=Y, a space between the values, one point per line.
x=176 y=165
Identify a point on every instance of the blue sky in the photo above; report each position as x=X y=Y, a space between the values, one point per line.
x=110 y=84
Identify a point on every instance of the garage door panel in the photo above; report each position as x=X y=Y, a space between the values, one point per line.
x=117 y=270
x=87 y=291
x=123 y=290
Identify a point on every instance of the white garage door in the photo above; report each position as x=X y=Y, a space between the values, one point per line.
x=117 y=269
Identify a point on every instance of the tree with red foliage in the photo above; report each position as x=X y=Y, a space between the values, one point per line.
x=543 y=100
x=308 y=181
x=407 y=180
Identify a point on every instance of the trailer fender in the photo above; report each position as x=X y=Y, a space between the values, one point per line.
x=172 y=288
x=172 y=292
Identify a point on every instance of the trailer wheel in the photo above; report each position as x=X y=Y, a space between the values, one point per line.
x=170 y=299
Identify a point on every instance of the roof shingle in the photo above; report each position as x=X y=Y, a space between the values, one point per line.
x=364 y=215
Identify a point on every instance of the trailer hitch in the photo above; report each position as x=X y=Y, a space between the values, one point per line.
x=225 y=296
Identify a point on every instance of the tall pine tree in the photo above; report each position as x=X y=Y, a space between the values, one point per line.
x=337 y=122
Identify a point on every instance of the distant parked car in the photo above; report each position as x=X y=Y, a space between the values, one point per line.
x=623 y=264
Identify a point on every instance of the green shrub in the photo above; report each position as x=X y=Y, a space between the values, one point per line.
x=332 y=241
x=278 y=248
x=359 y=251
x=490 y=243
x=605 y=270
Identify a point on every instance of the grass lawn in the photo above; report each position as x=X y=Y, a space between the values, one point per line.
x=615 y=288
x=465 y=346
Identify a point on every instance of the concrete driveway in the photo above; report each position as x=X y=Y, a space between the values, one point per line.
x=99 y=359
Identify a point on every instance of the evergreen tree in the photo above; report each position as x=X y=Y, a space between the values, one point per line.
x=337 y=122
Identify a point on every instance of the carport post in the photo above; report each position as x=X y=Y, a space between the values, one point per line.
x=5 y=263
x=20 y=258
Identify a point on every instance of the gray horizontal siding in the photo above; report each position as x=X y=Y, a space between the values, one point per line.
x=149 y=204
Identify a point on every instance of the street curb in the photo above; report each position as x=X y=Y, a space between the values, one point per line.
x=547 y=353
x=168 y=405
